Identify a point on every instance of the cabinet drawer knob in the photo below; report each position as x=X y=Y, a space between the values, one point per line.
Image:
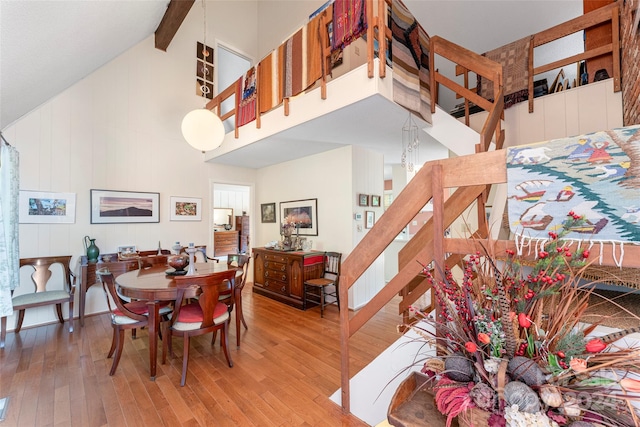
x=266 y=274
x=284 y=277
x=266 y=264
x=283 y=268
x=283 y=289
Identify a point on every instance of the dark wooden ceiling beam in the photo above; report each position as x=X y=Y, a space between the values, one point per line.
x=171 y=21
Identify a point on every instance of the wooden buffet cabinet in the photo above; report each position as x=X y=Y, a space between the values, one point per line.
x=280 y=275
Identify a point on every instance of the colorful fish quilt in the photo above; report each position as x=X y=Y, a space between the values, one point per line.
x=595 y=175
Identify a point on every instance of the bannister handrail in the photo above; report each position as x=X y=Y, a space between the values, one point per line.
x=466 y=61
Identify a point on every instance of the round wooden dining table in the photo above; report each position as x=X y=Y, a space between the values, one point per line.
x=154 y=285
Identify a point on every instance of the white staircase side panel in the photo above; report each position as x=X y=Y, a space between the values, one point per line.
x=458 y=138
x=373 y=387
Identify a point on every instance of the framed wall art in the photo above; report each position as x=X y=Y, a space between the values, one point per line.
x=122 y=207
x=375 y=201
x=363 y=200
x=304 y=213
x=43 y=207
x=268 y=212
x=185 y=208
x=370 y=219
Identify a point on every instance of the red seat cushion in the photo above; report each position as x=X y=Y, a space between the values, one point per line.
x=138 y=307
x=315 y=259
x=192 y=313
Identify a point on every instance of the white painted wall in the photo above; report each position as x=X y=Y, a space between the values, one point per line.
x=334 y=178
x=590 y=108
x=280 y=19
x=367 y=178
x=119 y=129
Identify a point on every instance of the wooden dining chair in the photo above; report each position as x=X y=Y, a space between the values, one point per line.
x=152 y=261
x=45 y=291
x=240 y=263
x=317 y=290
x=206 y=314
x=124 y=315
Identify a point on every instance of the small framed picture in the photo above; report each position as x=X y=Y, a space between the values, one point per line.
x=185 y=208
x=375 y=201
x=43 y=207
x=370 y=219
x=268 y=212
x=127 y=249
x=363 y=200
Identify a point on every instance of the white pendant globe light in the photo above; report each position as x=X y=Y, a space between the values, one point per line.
x=203 y=129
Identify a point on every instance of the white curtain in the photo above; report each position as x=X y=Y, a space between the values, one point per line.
x=9 y=250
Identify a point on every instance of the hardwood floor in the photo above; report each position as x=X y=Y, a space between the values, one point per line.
x=284 y=372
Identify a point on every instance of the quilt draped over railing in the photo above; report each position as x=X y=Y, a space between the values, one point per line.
x=595 y=175
x=246 y=97
x=9 y=242
x=514 y=58
x=410 y=57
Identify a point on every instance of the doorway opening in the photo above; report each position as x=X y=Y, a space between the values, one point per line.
x=232 y=221
x=231 y=64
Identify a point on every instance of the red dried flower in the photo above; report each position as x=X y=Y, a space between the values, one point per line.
x=523 y=320
x=484 y=338
x=471 y=347
x=596 y=345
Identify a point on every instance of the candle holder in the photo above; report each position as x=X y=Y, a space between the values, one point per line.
x=191 y=251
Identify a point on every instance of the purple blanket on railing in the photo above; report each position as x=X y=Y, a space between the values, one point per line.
x=349 y=21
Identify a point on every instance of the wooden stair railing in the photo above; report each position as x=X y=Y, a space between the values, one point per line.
x=469 y=61
x=608 y=13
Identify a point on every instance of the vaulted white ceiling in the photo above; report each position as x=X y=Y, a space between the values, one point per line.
x=46 y=46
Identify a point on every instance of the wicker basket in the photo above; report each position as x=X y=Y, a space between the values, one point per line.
x=412 y=405
x=474 y=417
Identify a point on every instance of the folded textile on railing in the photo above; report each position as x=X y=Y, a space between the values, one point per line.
x=268 y=83
x=514 y=58
x=410 y=57
x=349 y=22
x=246 y=97
x=300 y=59
x=595 y=175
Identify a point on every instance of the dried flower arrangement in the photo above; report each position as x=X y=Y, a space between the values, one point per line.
x=513 y=352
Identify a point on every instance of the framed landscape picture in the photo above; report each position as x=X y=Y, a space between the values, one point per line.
x=43 y=207
x=122 y=207
x=375 y=201
x=185 y=208
x=301 y=212
x=363 y=200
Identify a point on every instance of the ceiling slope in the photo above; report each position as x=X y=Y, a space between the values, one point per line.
x=47 y=46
